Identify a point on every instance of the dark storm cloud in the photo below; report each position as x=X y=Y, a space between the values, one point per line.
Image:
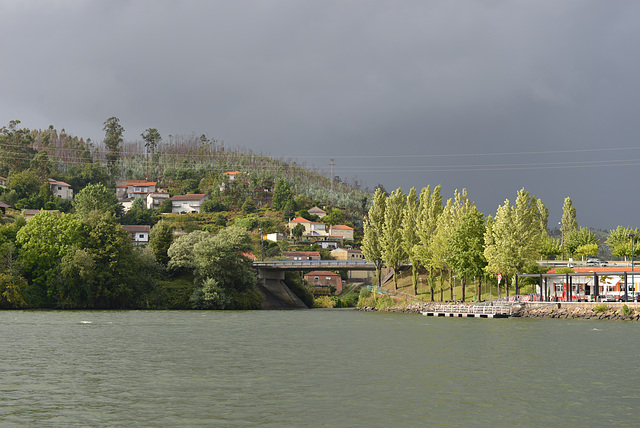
x=354 y=78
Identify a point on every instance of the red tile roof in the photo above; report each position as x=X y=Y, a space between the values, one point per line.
x=300 y=220
x=61 y=183
x=342 y=227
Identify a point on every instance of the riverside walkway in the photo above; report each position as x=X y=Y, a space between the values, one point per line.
x=502 y=310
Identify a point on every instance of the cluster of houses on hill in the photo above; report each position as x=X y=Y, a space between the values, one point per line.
x=128 y=190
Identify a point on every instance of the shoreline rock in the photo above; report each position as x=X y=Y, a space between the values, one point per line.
x=600 y=311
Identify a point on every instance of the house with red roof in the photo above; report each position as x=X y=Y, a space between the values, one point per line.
x=322 y=281
x=61 y=189
x=341 y=231
x=188 y=203
x=131 y=189
x=311 y=228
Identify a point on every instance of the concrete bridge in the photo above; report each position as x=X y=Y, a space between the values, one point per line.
x=271 y=278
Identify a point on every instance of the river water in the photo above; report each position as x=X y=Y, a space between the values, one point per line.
x=334 y=368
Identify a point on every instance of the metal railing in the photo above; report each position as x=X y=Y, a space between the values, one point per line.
x=474 y=309
x=303 y=264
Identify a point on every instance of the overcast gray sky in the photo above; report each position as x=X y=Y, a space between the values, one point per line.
x=490 y=95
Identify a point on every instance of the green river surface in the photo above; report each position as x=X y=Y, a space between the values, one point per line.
x=334 y=368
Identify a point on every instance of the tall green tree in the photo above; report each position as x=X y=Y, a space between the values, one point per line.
x=393 y=253
x=113 y=139
x=568 y=223
x=16 y=147
x=410 y=237
x=160 y=240
x=151 y=138
x=429 y=210
x=579 y=238
x=282 y=195
x=441 y=246
x=372 y=239
x=95 y=197
x=116 y=271
x=45 y=240
x=512 y=239
x=622 y=240
x=467 y=246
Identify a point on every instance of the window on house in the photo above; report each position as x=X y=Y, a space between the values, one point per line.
x=141 y=236
x=315 y=279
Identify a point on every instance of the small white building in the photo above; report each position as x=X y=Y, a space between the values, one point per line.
x=139 y=234
x=61 y=189
x=188 y=203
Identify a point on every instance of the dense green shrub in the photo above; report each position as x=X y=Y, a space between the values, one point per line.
x=600 y=308
x=351 y=299
x=626 y=311
x=325 y=302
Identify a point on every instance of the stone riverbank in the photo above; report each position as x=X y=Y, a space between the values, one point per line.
x=561 y=310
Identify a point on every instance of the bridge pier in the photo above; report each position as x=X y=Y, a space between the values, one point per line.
x=276 y=293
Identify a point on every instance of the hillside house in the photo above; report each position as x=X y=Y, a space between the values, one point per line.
x=3 y=207
x=301 y=255
x=155 y=199
x=139 y=234
x=317 y=211
x=131 y=189
x=188 y=203
x=341 y=231
x=61 y=189
x=29 y=214
x=322 y=281
x=3 y=182
x=311 y=228
x=347 y=254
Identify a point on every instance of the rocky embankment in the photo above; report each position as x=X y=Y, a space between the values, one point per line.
x=599 y=311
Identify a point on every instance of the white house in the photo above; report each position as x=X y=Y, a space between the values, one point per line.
x=139 y=233
x=188 y=203
x=155 y=199
x=61 y=189
x=130 y=189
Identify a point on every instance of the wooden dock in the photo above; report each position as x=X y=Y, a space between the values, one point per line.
x=472 y=311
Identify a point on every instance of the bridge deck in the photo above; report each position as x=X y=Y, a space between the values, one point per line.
x=314 y=264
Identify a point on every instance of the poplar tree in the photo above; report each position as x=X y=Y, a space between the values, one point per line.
x=372 y=239
x=445 y=230
x=393 y=253
x=569 y=221
x=467 y=245
x=513 y=239
x=429 y=210
x=410 y=237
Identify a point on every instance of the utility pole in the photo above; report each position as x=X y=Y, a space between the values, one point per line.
x=331 y=164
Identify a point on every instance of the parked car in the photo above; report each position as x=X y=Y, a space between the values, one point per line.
x=593 y=261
